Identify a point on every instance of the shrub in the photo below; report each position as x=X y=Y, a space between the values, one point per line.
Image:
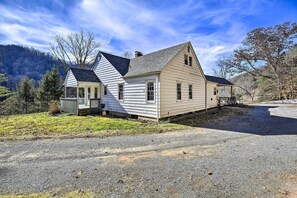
x=54 y=107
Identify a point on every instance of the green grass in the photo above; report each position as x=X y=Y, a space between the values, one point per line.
x=38 y=125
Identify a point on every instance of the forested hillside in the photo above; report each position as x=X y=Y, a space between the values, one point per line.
x=19 y=61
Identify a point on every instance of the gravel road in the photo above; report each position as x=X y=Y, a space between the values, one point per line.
x=250 y=154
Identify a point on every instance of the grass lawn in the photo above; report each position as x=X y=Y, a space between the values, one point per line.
x=43 y=125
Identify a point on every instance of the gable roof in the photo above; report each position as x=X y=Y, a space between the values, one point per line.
x=153 y=62
x=84 y=75
x=218 y=80
x=119 y=63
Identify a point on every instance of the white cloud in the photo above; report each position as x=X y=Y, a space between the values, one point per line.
x=133 y=26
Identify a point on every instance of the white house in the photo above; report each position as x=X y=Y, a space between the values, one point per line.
x=161 y=84
x=219 y=90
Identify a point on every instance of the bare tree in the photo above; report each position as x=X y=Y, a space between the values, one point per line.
x=222 y=68
x=76 y=49
x=263 y=54
x=128 y=54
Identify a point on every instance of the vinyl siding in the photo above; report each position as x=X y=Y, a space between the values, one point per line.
x=70 y=80
x=211 y=98
x=134 y=101
x=177 y=72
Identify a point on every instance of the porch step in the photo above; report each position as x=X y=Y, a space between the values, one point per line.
x=83 y=112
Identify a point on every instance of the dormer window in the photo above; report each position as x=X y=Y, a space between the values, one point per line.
x=186 y=59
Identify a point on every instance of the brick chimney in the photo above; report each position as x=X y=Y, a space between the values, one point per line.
x=137 y=54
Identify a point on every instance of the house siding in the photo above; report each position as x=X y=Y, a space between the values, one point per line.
x=212 y=100
x=70 y=80
x=177 y=72
x=134 y=101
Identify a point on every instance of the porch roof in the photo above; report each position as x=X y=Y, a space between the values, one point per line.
x=85 y=75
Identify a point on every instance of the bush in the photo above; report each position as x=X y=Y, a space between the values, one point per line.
x=54 y=107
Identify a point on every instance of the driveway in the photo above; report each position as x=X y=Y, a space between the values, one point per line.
x=250 y=154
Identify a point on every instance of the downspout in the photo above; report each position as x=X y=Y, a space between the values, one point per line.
x=159 y=97
x=206 y=95
x=77 y=98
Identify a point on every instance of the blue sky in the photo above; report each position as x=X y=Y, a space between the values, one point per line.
x=214 y=27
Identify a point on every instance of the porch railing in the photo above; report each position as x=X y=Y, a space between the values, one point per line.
x=69 y=105
x=76 y=106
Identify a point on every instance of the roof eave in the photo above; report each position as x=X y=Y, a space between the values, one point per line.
x=142 y=74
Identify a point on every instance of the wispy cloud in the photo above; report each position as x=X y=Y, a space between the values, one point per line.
x=215 y=28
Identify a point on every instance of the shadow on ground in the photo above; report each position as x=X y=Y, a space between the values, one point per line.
x=259 y=120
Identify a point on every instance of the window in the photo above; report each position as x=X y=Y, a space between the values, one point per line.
x=81 y=92
x=214 y=91
x=105 y=90
x=186 y=59
x=150 y=91
x=89 y=92
x=190 y=92
x=121 y=92
x=96 y=92
x=188 y=49
x=178 y=91
x=190 y=60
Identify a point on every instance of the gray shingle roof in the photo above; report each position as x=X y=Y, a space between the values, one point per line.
x=153 y=62
x=221 y=81
x=84 y=75
x=120 y=64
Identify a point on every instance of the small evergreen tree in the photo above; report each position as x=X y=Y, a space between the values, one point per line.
x=26 y=92
x=50 y=86
x=43 y=91
x=55 y=87
x=4 y=91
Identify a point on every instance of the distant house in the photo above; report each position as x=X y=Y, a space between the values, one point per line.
x=219 y=90
x=161 y=84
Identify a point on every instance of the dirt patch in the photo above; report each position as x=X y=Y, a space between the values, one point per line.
x=200 y=118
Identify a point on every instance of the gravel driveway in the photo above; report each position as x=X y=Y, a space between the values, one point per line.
x=250 y=154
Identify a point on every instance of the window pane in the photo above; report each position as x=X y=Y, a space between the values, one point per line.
x=186 y=60
x=105 y=90
x=121 y=92
x=81 y=92
x=190 y=92
x=178 y=91
x=214 y=91
x=190 y=60
x=96 y=92
x=150 y=91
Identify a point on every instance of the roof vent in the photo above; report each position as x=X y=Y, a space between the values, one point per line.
x=138 y=54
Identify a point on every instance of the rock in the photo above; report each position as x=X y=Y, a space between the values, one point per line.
x=120 y=181
x=157 y=189
x=209 y=173
x=283 y=192
x=184 y=152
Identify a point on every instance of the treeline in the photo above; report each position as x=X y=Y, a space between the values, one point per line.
x=265 y=65
x=28 y=98
x=19 y=61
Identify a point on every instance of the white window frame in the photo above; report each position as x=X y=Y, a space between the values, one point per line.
x=186 y=57
x=146 y=99
x=119 y=91
x=190 y=62
x=191 y=91
x=105 y=86
x=180 y=91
